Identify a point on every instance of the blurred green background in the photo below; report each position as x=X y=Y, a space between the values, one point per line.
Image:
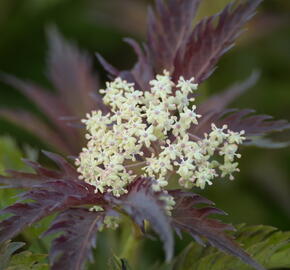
x=261 y=192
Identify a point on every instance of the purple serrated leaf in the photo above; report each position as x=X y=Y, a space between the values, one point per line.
x=188 y=217
x=49 y=196
x=238 y=120
x=68 y=170
x=168 y=30
x=36 y=127
x=70 y=71
x=73 y=247
x=210 y=40
x=142 y=203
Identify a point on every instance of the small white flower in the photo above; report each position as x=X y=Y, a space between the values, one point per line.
x=186 y=86
x=147 y=136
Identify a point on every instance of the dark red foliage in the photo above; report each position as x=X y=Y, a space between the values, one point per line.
x=37 y=127
x=173 y=45
x=59 y=191
x=252 y=124
x=53 y=191
x=211 y=38
x=169 y=28
x=237 y=120
x=29 y=180
x=142 y=203
x=48 y=197
x=70 y=71
x=140 y=74
x=188 y=217
x=213 y=110
x=79 y=228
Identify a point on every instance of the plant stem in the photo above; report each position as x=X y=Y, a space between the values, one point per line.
x=131 y=248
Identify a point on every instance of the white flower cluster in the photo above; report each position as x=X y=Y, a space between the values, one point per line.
x=147 y=133
x=111 y=221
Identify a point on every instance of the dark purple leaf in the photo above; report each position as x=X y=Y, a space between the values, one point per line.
x=142 y=71
x=168 y=30
x=252 y=124
x=140 y=74
x=108 y=67
x=24 y=215
x=169 y=26
x=44 y=99
x=49 y=195
x=67 y=170
x=43 y=172
x=28 y=180
x=37 y=127
x=113 y=72
x=210 y=39
x=71 y=249
x=238 y=120
x=188 y=217
x=142 y=203
x=51 y=106
x=70 y=70
x=20 y=180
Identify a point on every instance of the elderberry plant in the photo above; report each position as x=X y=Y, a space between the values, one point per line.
x=144 y=133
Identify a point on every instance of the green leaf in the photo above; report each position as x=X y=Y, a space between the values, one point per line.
x=116 y=263
x=266 y=244
x=10 y=155
x=10 y=159
x=27 y=260
x=6 y=251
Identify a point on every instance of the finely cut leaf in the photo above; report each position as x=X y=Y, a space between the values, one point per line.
x=67 y=170
x=70 y=71
x=140 y=74
x=210 y=39
x=173 y=45
x=52 y=191
x=29 y=180
x=168 y=30
x=49 y=197
x=267 y=245
x=27 y=260
x=49 y=103
x=19 y=180
x=142 y=203
x=6 y=251
x=237 y=120
x=187 y=217
x=36 y=127
x=169 y=26
x=79 y=227
x=253 y=125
